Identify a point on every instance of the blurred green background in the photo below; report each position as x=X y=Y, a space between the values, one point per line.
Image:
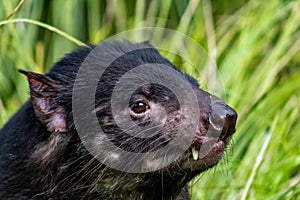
x=255 y=45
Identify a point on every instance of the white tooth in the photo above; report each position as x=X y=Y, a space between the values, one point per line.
x=195 y=153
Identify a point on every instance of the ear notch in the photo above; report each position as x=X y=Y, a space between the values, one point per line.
x=44 y=92
x=147 y=43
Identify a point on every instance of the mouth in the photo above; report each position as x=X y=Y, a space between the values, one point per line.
x=204 y=146
x=206 y=154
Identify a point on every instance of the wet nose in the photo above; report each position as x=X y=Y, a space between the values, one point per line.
x=222 y=118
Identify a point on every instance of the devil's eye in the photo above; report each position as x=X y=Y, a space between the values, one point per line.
x=139 y=107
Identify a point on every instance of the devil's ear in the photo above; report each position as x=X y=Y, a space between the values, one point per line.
x=147 y=43
x=44 y=92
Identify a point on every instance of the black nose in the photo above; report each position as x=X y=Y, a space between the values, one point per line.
x=222 y=118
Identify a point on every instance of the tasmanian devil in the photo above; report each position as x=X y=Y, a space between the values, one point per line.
x=155 y=128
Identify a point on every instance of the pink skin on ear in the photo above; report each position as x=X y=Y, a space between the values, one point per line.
x=44 y=92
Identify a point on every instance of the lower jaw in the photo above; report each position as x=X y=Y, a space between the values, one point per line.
x=210 y=159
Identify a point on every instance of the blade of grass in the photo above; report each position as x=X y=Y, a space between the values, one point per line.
x=258 y=161
x=46 y=26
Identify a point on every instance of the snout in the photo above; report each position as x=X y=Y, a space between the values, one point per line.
x=222 y=118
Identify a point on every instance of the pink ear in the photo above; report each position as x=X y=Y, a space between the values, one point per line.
x=44 y=92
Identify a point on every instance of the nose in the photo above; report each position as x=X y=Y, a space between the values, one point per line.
x=222 y=118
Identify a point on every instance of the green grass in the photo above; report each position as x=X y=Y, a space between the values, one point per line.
x=255 y=45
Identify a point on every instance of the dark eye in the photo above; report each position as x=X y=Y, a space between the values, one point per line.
x=139 y=107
